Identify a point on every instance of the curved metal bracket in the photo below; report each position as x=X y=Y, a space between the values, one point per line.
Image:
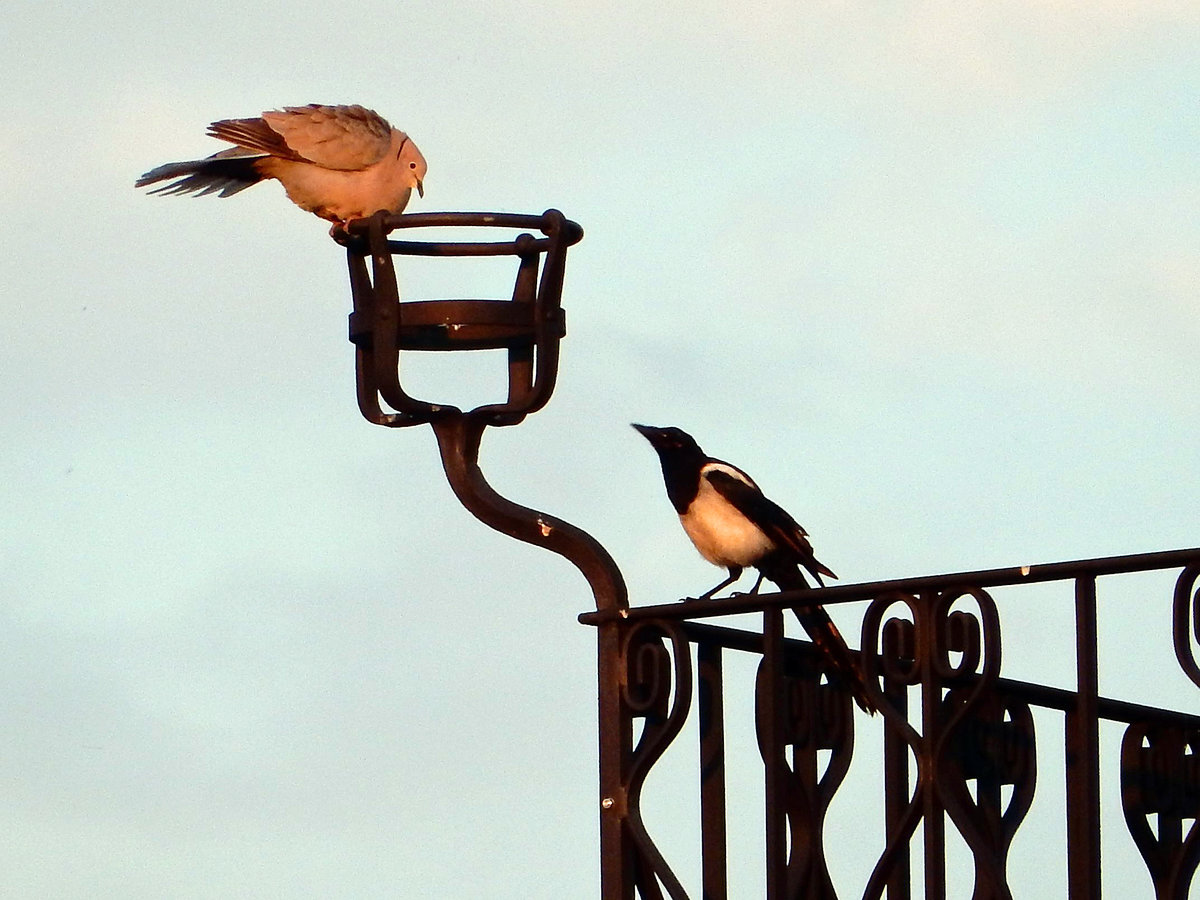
x=529 y=326
x=458 y=436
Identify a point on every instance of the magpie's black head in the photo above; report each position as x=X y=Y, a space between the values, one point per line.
x=681 y=459
x=671 y=443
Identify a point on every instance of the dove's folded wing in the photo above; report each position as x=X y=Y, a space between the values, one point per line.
x=252 y=136
x=335 y=137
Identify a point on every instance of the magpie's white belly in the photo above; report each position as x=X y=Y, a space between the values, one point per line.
x=722 y=534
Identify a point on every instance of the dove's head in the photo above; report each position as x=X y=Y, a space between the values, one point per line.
x=411 y=162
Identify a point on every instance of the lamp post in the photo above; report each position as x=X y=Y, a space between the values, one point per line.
x=529 y=325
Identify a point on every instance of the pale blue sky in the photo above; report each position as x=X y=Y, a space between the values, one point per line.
x=927 y=270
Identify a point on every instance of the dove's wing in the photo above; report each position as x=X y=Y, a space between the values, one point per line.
x=334 y=137
x=253 y=136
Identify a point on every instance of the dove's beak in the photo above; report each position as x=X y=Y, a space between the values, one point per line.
x=420 y=188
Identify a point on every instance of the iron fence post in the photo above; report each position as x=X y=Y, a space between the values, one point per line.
x=1083 y=753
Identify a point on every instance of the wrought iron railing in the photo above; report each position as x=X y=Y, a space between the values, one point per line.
x=948 y=714
x=933 y=657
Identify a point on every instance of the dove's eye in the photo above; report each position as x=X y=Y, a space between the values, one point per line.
x=412 y=165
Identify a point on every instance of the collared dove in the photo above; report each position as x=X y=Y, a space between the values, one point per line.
x=337 y=162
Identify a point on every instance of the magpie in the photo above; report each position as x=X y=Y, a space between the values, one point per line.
x=733 y=525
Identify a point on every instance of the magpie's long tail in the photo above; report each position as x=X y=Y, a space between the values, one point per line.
x=820 y=628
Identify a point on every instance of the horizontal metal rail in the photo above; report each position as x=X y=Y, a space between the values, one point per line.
x=689 y=608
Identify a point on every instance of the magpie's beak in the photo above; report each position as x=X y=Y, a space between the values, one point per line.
x=650 y=433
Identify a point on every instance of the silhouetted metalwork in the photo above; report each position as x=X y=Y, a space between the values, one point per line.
x=970 y=735
x=931 y=648
x=529 y=326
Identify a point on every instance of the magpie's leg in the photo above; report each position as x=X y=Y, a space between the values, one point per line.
x=735 y=572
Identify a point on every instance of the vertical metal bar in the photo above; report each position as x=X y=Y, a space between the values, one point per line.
x=896 y=790
x=616 y=862
x=521 y=356
x=934 y=835
x=1083 y=754
x=771 y=710
x=712 y=771
x=385 y=315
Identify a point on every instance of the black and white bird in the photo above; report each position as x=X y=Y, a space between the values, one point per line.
x=733 y=525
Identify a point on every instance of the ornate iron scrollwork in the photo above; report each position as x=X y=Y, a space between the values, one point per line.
x=965 y=729
x=959 y=740
x=1160 y=779
x=1186 y=621
x=816 y=716
x=658 y=690
x=994 y=747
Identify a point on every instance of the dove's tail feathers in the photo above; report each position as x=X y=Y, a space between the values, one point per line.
x=223 y=174
x=846 y=669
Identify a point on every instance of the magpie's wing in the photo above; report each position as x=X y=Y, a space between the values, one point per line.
x=744 y=495
x=782 y=566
